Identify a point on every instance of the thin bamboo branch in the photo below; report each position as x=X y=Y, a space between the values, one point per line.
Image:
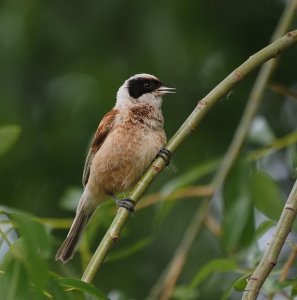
x=193 y=191
x=212 y=225
x=254 y=99
x=165 y=284
x=4 y=237
x=56 y=223
x=275 y=145
x=204 y=105
x=269 y=259
x=288 y=264
x=283 y=90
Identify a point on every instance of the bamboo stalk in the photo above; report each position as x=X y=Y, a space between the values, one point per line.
x=165 y=284
x=204 y=105
x=269 y=259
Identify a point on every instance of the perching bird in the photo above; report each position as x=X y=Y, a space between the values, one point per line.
x=127 y=140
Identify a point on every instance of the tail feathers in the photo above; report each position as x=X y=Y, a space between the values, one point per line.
x=68 y=248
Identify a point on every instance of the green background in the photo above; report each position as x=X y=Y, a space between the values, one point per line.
x=61 y=63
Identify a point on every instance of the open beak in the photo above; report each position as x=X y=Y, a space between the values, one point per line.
x=166 y=90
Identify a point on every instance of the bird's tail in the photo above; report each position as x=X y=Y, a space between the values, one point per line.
x=83 y=214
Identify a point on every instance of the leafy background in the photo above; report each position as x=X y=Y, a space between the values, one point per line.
x=61 y=65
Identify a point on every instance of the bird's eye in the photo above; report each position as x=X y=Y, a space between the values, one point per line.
x=147 y=84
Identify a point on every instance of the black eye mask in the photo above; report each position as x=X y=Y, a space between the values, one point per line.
x=139 y=86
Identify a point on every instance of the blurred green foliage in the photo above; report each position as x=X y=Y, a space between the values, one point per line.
x=61 y=65
x=8 y=136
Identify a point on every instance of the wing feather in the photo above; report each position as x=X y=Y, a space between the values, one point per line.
x=105 y=127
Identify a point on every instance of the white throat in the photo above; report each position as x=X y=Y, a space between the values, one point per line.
x=124 y=100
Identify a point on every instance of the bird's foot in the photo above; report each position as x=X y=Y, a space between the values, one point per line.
x=127 y=203
x=165 y=154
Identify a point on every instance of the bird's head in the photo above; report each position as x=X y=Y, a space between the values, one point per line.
x=142 y=88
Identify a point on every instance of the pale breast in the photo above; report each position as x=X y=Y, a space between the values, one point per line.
x=126 y=154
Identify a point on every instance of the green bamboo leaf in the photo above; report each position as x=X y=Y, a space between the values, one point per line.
x=266 y=195
x=15 y=275
x=190 y=176
x=57 y=290
x=36 y=238
x=238 y=222
x=36 y=248
x=294 y=290
x=14 y=283
x=275 y=286
x=263 y=227
x=16 y=251
x=240 y=283
x=8 y=136
x=185 y=293
x=214 y=266
x=82 y=286
x=139 y=245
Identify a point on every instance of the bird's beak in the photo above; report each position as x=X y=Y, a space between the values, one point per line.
x=162 y=90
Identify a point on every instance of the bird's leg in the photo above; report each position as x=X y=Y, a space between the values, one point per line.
x=125 y=202
x=165 y=154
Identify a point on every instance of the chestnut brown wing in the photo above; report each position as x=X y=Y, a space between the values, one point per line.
x=105 y=127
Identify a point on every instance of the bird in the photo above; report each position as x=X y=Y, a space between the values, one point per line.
x=129 y=137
